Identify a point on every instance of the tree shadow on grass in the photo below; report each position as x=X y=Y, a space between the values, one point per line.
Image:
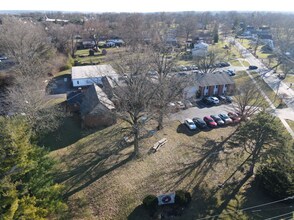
x=209 y=158
x=254 y=196
x=68 y=132
x=139 y=213
x=94 y=158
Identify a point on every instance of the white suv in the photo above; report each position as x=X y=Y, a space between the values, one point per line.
x=190 y=124
x=213 y=99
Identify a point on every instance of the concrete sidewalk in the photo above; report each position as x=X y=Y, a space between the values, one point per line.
x=280 y=88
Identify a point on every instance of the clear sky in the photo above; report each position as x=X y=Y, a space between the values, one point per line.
x=148 y=5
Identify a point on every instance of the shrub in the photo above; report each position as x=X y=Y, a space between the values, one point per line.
x=276 y=181
x=69 y=63
x=150 y=202
x=182 y=198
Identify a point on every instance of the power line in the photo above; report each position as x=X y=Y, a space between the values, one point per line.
x=277 y=216
x=252 y=207
x=269 y=203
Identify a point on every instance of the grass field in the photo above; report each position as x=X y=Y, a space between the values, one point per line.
x=103 y=182
x=291 y=124
x=267 y=90
x=289 y=79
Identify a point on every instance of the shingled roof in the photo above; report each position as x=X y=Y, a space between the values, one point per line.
x=212 y=79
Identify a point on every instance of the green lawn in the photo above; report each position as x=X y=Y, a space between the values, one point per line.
x=291 y=124
x=267 y=90
x=245 y=63
x=245 y=43
x=289 y=79
x=64 y=72
x=235 y=63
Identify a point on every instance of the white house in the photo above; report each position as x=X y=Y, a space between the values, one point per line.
x=200 y=49
x=89 y=75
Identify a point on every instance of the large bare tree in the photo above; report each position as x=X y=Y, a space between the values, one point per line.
x=248 y=100
x=170 y=86
x=134 y=96
x=28 y=45
x=206 y=62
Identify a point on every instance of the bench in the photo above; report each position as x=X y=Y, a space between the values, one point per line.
x=158 y=144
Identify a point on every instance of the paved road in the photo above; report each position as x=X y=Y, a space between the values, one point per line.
x=284 y=92
x=280 y=88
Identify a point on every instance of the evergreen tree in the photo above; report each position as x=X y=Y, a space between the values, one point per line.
x=27 y=189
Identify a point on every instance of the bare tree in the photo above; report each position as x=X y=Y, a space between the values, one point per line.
x=25 y=41
x=134 y=96
x=63 y=37
x=207 y=62
x=248 y=100
x=131 y=29
x=95 y=28
x=28 y=97
x=188 y=24
x=169 y=86
x=28 y=45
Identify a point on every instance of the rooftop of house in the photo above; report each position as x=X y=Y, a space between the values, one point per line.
x=92 y=97
x=215 y=78
x=84 y=72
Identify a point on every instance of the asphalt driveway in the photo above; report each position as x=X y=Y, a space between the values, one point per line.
x=200 y=111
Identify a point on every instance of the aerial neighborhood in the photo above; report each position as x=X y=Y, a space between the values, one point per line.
x=162 y=115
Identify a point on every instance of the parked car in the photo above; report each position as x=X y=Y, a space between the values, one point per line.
x=180 y=104
x=224 y=64
x=207 y=101
x=222 y=98
x=226 y=118
x=252 y=67
x=3 y=58
x=190 y=124
x=218 y=120
x=182 y=74
x=183 y=68
x=236 y=118
x=200 y=123
x=194 y=67
x=231 y=72
x=229 y=99
x=210 y=122
x=214 y=100
x=187 y=104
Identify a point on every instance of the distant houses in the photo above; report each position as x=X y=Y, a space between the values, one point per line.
x=262 y=34
x=199 y=49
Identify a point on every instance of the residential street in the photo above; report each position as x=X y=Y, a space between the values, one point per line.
x=284 y=92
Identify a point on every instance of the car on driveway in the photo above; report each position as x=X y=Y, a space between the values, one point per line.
x=252 y=67
x=190 y=124
x=200 y=123
x=210 y=122
x=236 y=118
x=218 y=120
x=225 y=118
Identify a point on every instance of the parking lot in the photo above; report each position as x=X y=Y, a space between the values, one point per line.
x=200 y=111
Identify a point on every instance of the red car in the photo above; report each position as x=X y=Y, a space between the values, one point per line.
x=210 y=122
x=235 y=117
